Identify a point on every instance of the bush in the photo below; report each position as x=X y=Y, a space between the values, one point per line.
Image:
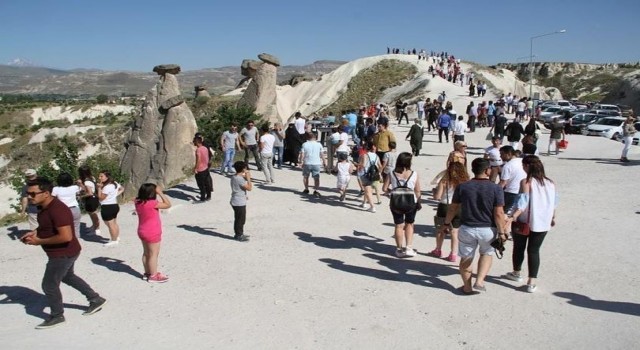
x=102 y=99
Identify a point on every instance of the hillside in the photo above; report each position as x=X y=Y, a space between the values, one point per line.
x=35 y=80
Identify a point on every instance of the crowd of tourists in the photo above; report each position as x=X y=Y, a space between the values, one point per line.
x=505 y=194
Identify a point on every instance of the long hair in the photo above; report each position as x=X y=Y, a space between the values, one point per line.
x=456 y=174
x=84 y=172
x=534 y=169
x=107 y=174
x=64 y=180
x=403 y=162
x=146 y=192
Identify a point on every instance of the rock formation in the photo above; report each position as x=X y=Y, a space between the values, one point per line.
x=261 y=91
x=201 y=91
x=159 y=147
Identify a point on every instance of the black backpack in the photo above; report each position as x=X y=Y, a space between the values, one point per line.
x=402 y=198
x=373 y=173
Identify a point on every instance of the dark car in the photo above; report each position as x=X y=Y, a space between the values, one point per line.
x=580 y=121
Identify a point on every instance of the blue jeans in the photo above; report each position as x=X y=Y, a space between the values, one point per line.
x=278 y=151
x=229 y=153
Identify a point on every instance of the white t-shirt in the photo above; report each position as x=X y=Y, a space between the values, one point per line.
x=459 y=128
x=513 y=173
x=494 y=155
x=344 y=146
x=90 y=185
x=111 y=191
x=420 y=106
x=267 y=141
x=299 y=123
x=521 y=106
x=67 y=195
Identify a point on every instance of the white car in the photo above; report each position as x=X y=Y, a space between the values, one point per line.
x=548 y=114
x=609 y=127
x=605 y=107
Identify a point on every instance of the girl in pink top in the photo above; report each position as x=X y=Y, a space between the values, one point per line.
x=150 y=229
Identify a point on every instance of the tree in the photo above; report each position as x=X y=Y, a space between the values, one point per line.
x=102 y=98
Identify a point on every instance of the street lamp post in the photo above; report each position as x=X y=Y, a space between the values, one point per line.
x=515 y=82
x=531 y=58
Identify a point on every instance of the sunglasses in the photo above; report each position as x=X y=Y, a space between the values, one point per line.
x=34 y=194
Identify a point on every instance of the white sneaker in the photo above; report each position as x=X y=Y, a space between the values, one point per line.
x=410 y=252
x=112 y=243
x=363 y=205
x=97 y=232
x=372 y=209
x=531 y=288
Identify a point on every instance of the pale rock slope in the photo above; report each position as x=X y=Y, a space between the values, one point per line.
x=71 y=114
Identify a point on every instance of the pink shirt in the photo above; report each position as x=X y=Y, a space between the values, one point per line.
x=203 y=153
x=149 y=225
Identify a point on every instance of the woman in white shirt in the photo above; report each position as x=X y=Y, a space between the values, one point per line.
x=66 y=191
x=89 y=196
x=536 y=206
x=108 y=191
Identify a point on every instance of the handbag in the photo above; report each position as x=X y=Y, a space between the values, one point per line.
x=563 y=144
x=522 y=228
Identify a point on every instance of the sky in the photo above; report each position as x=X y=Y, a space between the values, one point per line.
x=135 y=35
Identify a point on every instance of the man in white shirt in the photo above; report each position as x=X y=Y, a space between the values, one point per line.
x=511 y=175
x=420 y=105
x=508 y=100
x=520 y=110
x=459 y=127
x=267 y=140
x=343 y=143
x=492 y=153
x=300 y=123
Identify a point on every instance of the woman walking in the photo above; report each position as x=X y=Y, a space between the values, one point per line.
x=455 y=175
x=108 y=191
x=89 y=197
x=536 y=206
x=402 y=175
x=150 y=229
x=366 y=162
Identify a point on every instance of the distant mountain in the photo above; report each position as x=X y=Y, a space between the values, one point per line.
x=21 y=62
x=38 y=80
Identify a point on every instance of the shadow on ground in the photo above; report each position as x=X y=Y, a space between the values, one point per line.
x=116 y=265
x=618 y=307
x=34 y=302
x=204 y=231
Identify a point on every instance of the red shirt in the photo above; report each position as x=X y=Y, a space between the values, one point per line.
x=203 y=162
x=55 y=215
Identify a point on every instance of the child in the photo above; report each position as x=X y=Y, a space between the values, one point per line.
x=344 y=169
x=150 y=229
x=240 y=184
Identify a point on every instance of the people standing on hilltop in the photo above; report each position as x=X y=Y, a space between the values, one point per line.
x=150 y=229
x=89 y=196
x=240 y=184
x=482 y=218
x=108 y=192
x=229 y=142
x=201 y=170
x=55 y=234
x=267 y=140
x=249 y=141
x=628 y=130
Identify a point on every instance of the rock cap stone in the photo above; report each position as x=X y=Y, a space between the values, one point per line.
x=265 y=57
x=167 y=68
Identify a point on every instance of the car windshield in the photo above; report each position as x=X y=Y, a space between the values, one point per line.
x=607 y=121
x=552 y=109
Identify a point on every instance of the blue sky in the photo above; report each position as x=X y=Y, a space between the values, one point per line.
x=137 y=35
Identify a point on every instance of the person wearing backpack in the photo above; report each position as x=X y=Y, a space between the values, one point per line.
x=403 y=186
x=368 y=173
x=444 y=122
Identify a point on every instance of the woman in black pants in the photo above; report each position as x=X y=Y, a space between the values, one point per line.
x=536 y=206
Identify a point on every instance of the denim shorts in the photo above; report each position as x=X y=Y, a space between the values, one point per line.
x=313 y=169
x=470 y=238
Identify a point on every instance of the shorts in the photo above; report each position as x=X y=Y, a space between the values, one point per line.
x=364 y=181
x=470 y=238
x=312 y=169
x=442 y=213
x=109 y=211
x=408 y=218
x=91 y=204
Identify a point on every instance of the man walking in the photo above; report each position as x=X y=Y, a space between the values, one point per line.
x=267 y=140
x=201 y=170
x=55 y=233
x=249 y=141
x=481 y=202
x=444 y=122
x=310 y=159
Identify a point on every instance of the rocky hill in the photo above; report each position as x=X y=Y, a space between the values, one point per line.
x=608 y=83
x=37 y=80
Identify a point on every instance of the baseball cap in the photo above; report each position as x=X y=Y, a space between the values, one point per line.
x=30 y=172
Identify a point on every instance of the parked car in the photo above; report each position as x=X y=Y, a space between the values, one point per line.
x=602 y=106
x=580 y=121
x=554 y=111
x=609 y=127
x=625 y=110
x=606 y=112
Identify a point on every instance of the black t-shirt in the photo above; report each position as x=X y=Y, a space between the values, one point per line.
x=501 y=121
x=478 y=198
x=56 y=215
